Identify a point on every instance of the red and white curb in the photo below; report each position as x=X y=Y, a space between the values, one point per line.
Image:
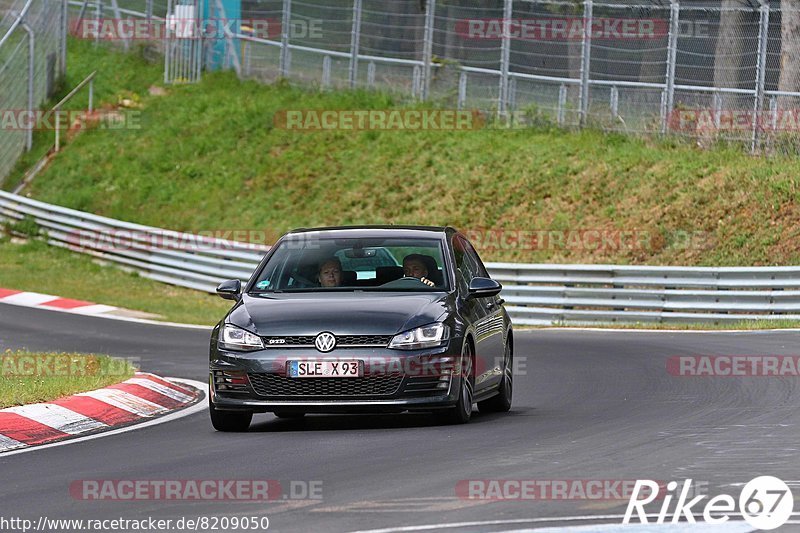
x=34 y=299
x=143 y=397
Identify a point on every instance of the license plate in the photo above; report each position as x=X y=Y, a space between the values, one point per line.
x=325 y=369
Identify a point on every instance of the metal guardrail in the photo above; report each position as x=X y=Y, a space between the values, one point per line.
x=535 y=294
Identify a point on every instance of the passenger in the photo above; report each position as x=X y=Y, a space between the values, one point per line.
x=330 y=273
x=414 y=267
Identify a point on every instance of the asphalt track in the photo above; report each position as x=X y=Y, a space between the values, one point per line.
x=589 y=406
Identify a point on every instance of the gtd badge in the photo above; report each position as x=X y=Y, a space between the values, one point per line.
x=325 y=342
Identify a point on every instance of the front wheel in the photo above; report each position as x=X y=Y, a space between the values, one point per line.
x=501 y=403
x=462 y=412
x=230 y=421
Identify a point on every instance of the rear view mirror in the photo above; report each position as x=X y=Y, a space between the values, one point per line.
x=360 y=253
x=230 y=290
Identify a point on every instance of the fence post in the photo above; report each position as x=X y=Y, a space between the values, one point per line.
x=672 y=57
x=562 y=104
x=148 y=10
x=758 y=104
x=62 y=56
x=355 y=43
x=505 y=57
x=99 y=12
x=371 y=74
x=427 y=49
x=286 y=21
x=586 y=59
x=31 y=73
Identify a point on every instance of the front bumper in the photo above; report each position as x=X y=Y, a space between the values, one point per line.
x=394 y=381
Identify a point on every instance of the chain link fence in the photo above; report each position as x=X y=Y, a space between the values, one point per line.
x=708 y=70
x=32 y=59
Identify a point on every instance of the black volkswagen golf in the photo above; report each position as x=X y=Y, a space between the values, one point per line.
x=362 y=319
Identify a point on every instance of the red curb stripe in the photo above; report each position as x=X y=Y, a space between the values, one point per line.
x=8 y=292
x=66 y=303
x=147 y=394
x=100 y=411
x=26 y=430
x=166 y=383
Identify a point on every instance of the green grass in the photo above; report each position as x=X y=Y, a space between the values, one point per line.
x=35 y=266
x=207 y=157
x=30 y=377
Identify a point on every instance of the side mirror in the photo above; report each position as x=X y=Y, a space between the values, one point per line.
x=230 y=290
x=483 y=288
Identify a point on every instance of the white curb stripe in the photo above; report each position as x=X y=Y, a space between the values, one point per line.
x=95 y=309
x=7 y=443
x=161 y=389
x=57 y=417
x=29 y=298
x=127 y=401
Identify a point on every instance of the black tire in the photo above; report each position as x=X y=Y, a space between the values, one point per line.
x=462 y=412
x=501 y=403
x=288 y=414
x=230 y=421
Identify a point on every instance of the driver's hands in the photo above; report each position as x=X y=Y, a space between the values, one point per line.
x=427 y=282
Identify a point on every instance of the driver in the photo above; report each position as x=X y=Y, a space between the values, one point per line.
x=414 y=267
x=330 y=273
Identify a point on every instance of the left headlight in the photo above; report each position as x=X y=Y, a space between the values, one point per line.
x=429 y=336
x=233 y=338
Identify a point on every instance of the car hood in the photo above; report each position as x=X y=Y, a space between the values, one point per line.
x=340 y=313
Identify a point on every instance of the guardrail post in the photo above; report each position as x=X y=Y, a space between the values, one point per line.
x=672 y=56
x=586 y=59
x=505 y=57
x=614 y=97
x=758 y=104
x=462 y=90
x=355 y=43
x=427 y=49
x=326 y=72
x=286 y=21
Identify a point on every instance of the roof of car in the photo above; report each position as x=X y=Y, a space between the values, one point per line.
x=376 y=231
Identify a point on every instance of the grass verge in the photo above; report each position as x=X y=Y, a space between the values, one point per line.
x=31 y=377
x=35 y=266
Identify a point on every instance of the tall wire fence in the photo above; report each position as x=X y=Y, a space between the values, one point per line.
x=32 y=59
x=708 y=70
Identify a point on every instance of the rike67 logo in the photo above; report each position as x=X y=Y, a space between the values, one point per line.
x=765 y=503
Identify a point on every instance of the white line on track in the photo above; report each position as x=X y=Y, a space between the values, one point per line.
x=585 y=518
x=200 y=406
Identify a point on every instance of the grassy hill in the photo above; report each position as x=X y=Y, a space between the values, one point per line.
x=207 y=157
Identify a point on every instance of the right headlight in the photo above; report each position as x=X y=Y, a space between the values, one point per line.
x=233 y=338
x=429 y=336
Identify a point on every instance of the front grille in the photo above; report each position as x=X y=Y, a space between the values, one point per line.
x=277 y=385
x=307 y=341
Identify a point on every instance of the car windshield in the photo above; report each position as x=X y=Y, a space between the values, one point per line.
x=383 y=264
